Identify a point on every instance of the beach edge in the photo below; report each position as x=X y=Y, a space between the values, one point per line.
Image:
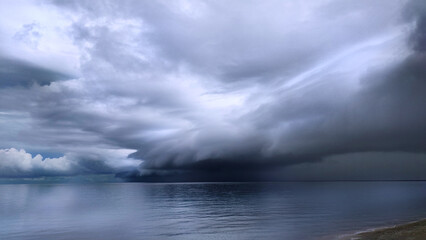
x=415 y=230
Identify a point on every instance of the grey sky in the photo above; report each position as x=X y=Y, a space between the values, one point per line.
x=242 y=87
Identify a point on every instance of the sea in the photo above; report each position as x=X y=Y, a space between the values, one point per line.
x=285 y=210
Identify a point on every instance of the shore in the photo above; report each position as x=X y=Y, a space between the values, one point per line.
x=409 y=231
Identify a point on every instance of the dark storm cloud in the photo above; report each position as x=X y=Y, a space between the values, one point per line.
x=15 y=72
x=387 y=113
x=218 y=90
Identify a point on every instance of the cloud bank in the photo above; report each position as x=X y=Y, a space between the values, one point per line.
x=20 y=163
x=212 y=89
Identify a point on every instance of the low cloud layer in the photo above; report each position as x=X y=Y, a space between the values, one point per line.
x=212 y=88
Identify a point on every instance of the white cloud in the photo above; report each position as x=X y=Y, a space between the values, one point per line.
x=19 y=163
x=15 y=162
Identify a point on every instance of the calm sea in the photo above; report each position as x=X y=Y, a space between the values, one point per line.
x=305 y=210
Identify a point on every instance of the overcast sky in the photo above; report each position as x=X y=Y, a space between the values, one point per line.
x=312 y=89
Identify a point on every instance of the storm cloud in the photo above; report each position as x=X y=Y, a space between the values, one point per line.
x=18 y=73
x=216 y=90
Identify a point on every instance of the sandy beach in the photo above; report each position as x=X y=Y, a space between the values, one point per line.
x=410 y=231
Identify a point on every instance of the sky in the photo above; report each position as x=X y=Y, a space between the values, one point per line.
x=213 y=90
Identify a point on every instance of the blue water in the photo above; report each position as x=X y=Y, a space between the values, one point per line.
x=322 y=210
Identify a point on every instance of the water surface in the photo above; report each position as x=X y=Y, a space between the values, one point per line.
x=304 y=210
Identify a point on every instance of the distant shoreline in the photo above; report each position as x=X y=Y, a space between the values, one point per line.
x=113 y=178
x=413 y=230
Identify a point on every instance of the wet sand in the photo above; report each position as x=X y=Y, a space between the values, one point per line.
x=409 y=231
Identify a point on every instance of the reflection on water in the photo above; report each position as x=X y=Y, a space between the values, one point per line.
x=205 y=211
